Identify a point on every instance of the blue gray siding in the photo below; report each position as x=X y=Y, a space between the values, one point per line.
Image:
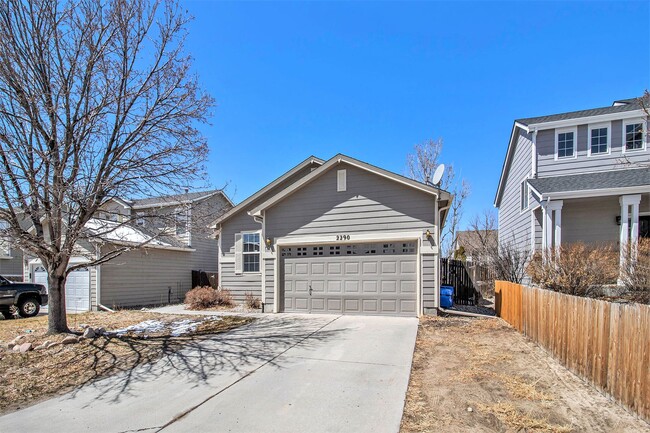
x=548 y=166
x=515 y=225
x=12 y=266
x=429 y=281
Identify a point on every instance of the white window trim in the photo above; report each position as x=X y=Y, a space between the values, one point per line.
x=139 y=219
x=524 y=209
x=644 y=138
x=559 y=131
x=593 y=126
x=243 y=253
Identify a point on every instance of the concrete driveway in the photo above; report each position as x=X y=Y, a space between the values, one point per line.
x=282 y=373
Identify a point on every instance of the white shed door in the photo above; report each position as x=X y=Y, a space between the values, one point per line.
x=379 y=278
x=77 y=288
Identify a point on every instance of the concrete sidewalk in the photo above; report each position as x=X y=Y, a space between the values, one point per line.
x=282 y=373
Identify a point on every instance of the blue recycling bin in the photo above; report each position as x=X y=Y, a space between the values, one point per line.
x=446 y=296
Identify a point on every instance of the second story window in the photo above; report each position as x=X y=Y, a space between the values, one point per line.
x=633 y=135
x=598 y=140
x=565 y=141
x=182 y=219
x=139 y=221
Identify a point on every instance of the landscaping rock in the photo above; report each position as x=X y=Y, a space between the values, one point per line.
x=16 y=348
x=53 y=344
x=18 y=339
x=11 y=345
x=100 y=331
x=25 y=347
x=70 y=339
x=84 y=326
x=89 y=333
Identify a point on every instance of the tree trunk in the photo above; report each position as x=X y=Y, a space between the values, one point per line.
x=57 y=320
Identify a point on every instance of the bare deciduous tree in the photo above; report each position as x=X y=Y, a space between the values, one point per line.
x=97 y=100
x=421 y=165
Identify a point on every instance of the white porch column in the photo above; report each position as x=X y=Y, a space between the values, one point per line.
x=627 y=223
x=556 y=207
x=552 y=225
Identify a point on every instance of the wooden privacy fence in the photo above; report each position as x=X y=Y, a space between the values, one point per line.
x=604 y=342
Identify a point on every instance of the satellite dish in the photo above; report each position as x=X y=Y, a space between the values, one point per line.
x=437 y=175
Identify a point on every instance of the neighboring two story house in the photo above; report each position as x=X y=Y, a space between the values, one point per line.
x=176 y=238
x=338 y=236
x=582 y=176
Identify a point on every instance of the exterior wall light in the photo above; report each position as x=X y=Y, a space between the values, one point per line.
x=428 y=233
x=268 y=242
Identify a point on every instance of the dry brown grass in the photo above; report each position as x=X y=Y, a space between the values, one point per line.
x=519 y=420
x=36 y=375
x=481 y=375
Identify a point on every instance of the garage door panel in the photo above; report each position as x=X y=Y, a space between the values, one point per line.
x=370 y=286
x=351 y=268
x=370 y=305
x=352 y=279
x=334 y=286
x=77 y=287
x=334 y=304
x=389 y=306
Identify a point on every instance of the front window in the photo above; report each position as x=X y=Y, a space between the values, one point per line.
x=251 y=252
x=599 y=142
x=634 y=136
x=565 y=144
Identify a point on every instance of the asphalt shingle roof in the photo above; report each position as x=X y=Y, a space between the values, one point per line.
x=588 y=181
x=629 y=105
x=175 y=198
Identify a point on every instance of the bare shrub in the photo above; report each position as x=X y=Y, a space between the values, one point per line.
x=251 y=301
x=575 y=269
x=509 y=261
x=635 y=272
x=203 y=297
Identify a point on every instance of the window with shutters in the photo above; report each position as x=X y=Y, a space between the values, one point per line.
x=251 y=252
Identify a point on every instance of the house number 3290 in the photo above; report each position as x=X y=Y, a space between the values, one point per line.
x=342 y=237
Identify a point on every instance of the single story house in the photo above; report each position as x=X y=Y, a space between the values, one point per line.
x=177 y=240
x=337 y=236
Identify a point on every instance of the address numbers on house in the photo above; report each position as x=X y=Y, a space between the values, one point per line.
x=342 y=237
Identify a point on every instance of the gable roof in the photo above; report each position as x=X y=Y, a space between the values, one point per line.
x=340 y=158
x=623 y=108
x=604 y=180
x=241 y=206
x=620 y=106
x=176 y=199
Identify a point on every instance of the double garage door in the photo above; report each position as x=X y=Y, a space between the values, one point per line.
x=77 y=288
x=378 y=278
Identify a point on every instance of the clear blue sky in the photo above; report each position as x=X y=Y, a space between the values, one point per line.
x=371 y=79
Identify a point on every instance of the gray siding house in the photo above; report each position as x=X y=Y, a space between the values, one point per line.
x=11 y=259
x=156 y=273
x=338 y=236
x=582 y=176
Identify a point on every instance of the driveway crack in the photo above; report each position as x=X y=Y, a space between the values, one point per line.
x=198 y=405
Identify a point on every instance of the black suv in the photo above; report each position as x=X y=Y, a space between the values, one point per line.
x=26 y=297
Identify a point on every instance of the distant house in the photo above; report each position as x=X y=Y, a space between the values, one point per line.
x=473 y=246
x=157 y=273
x=582 y=176
x=338 y=236
x=11 y=259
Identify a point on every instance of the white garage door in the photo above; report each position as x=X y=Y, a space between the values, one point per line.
x=77 y=287
x=378 y=278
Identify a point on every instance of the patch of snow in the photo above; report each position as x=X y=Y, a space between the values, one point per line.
x=115 y=231
x=148 y=326
x=176 y=328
